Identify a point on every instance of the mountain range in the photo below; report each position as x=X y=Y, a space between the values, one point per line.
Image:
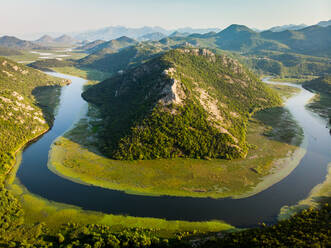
x=13 y=42
x=63 y=40
x=114 y=32
x=287 y=27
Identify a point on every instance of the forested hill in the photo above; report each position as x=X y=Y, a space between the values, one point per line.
x=321 y=85
x=322 y=102
x=26 y=107
x=184 y=103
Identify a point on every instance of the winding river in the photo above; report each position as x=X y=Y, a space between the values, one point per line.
x=265 y=206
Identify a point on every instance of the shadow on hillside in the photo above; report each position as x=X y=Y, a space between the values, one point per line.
x=322 y=200
x=47 y=98
x=280 y=125
x=95 y=75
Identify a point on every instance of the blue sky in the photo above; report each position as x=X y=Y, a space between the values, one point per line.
x=30 y=16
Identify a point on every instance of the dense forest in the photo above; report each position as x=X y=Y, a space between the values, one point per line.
x=186 y=102
x=27 y=100
x=322 y=102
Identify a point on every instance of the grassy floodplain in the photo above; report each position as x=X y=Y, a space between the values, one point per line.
x=54 y=214
x=27 y=57
x=298 y=80
x=273 y=137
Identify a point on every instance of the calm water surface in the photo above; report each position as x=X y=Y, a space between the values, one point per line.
x=265 y=206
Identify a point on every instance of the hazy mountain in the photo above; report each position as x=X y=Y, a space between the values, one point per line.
x=112 y=45
x=46 y=39
x=179 y=34
x=13 y=42
x=114 y=32
x=189 y=93
x=90 y=45
x=324 y=23
x=122 y=59
x=197 y=30
x=152 y=37
x=65 y=40
x=312 y=40
x=287 y=27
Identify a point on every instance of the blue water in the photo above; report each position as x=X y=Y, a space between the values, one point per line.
x=263 y=207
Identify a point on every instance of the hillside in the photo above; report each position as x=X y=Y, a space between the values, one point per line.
x=152 y=37
x=321 y=85
x=287 y=64
x=27 y=103
x=65 y=40
x=90 y=45
x=241 y=38
x=120 y=60
x=45 y=40
x=48 y=41
x=321 y=104
x=184 y=103
x=5 y=51
x=112 y=45
x=324 y=23
x=312 y=40
x=13 y=42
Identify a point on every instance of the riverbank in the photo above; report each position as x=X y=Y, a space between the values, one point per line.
x=319 y=195
x=38 y=209
x=273 y=136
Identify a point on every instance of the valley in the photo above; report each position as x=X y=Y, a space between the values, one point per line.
x=166 y=138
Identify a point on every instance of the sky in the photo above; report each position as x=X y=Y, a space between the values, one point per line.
x=37 y=16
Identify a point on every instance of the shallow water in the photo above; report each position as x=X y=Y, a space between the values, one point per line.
x=262 y=207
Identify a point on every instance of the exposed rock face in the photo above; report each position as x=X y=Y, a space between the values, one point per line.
x=173 y=91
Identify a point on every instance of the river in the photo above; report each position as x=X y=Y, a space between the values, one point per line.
x=34 y=174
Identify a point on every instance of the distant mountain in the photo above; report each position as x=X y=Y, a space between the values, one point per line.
x=120 y=60
x=312 y=40
x=65 y=40
x=114 y=32
x=324 y=23
x=112 y=45
x=287 y=27
x=179 y=34
x=13 y=42
x=90 y=45
x=194 y=94
x=46 y=39
x=152 y=37
x=241 y=38
x=197 y=30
